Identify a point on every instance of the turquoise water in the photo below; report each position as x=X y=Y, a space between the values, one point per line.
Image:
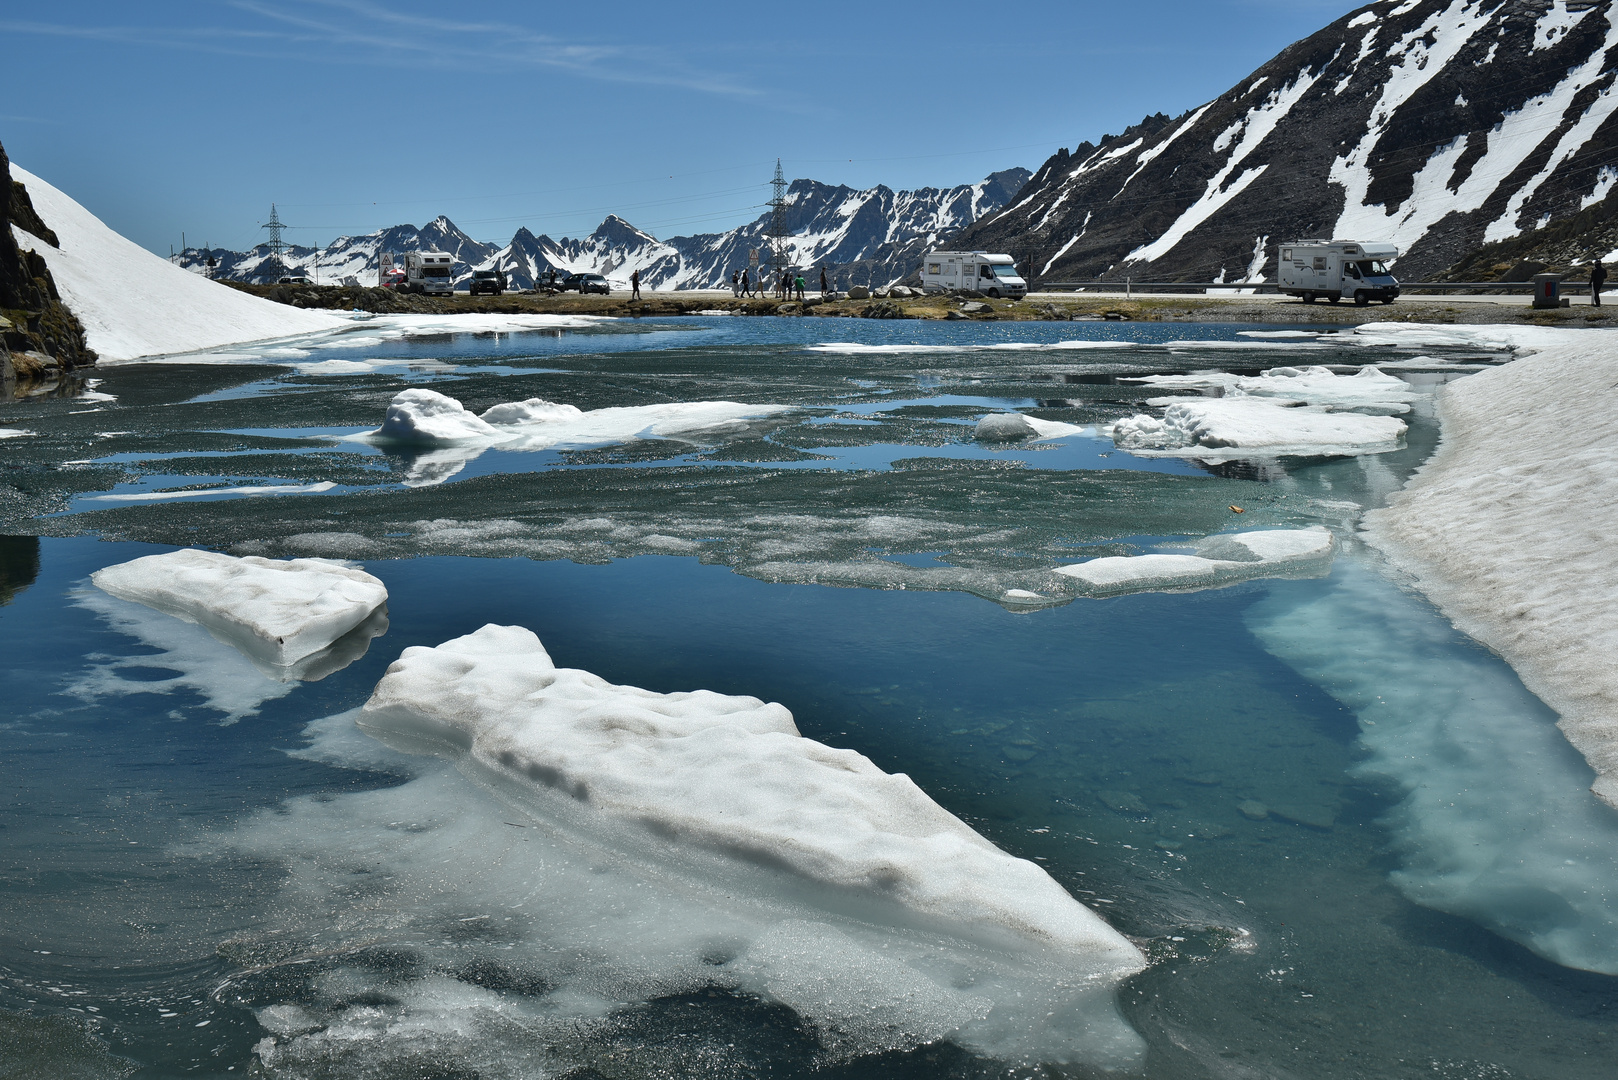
x=191 y=846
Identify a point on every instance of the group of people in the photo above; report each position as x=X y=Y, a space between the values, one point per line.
x=788 y=283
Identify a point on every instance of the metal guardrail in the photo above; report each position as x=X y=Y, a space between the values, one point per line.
x=1567 y=288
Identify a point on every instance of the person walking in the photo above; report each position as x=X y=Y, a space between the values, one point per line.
x=1598 y=278
x=735 y=285
x=823 y=289
x=634 y=284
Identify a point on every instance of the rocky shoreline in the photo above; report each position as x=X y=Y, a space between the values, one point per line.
x=1039 y=307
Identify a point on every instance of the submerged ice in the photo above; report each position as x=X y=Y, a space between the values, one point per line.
x=1222 y=559
x=1497 y=823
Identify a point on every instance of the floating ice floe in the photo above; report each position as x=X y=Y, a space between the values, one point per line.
x=200 y=493
x=832 y=887
x=1006 y=346
x=1496 y=824
x=1368 y=390
x=286 y=616
x=1010 y=427
x=1222 y=559
x=1523 y=340
x=13 y=433
x=453 y=435
x=1509 y=529
x=1223 y=429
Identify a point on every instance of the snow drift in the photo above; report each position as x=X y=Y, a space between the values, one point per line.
x=282 y=615
x=134 y=304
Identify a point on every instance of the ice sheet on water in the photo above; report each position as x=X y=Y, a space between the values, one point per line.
x=13 y=433
x=277 y=613
x=854 y=347
x=1367 y=389
x=247 y=490
x=1495 y=337
x=1497 y=823
x=1225 y=429
x=1222 y=559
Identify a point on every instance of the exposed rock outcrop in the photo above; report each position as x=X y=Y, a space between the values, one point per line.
x=38 y=334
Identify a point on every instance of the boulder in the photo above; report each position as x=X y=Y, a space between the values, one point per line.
x=976 y=307
x=791 y=307
x=880 y=292
x=901 y=291
x=952 y=314
x=1004 y=427
x=858 y=292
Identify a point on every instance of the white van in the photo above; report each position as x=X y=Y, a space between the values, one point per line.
x=428 y=272
x=1334 y=269
x=975 y=271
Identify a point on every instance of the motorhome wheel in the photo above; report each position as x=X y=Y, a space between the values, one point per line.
x=1360 y=299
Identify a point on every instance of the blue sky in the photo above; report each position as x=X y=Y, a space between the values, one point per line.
x=194 y=115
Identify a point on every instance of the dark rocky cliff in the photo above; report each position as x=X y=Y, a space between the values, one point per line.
x=1441 y=125
x=39 y=334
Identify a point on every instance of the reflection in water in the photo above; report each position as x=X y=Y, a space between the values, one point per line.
x=19 y=565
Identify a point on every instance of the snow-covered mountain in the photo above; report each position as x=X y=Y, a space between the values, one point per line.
x=346 y=260
x=872 y=236
x=1440 y=125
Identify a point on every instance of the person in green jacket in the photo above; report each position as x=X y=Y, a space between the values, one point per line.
x=799 y=283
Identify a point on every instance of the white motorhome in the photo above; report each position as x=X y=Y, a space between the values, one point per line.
x=974 y=271
x=1333 y=269
x=428 y=272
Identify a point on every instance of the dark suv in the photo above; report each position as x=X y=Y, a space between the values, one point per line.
x=492 y=282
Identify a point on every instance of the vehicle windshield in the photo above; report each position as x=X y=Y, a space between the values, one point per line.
x=1005 y=270
x=484 y=275
x=1372 y=267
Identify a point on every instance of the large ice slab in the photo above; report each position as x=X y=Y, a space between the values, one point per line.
x=827 y=860
x=427 y=418
x=1222 y=559
x=134 y=304
x=1368 y=389
x=1222 y=429
x=283 y=614
x=1509 y=528
x=1496 y=823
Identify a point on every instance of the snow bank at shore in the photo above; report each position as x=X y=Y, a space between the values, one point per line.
x=1509 y=529
x=133 y=303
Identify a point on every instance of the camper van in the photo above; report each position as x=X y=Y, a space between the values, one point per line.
x=428 y=272
x=975 y=271
x=1333 y=269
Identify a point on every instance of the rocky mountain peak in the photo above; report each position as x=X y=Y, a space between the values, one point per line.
x=1439 y=125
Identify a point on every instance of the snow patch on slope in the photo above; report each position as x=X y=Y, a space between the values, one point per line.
x=134 y=304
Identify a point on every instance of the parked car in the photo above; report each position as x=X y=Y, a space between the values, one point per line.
x=492 y=282
x=585 y=283
x=296 y=279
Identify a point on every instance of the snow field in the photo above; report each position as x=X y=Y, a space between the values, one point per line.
x=1509 y=527
x=277 y=613
x=134 y=304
